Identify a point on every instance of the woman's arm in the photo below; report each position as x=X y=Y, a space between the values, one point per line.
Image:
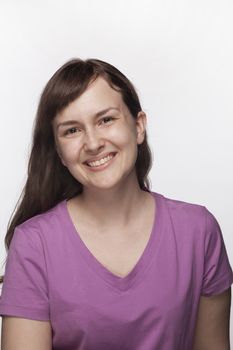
x=24 y=334
x=213 y=321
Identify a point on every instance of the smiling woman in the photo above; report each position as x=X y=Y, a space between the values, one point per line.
x=97 y=260
x=95 y=140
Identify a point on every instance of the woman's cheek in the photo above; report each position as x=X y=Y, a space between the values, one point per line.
x=70 y=151
x=119 y=136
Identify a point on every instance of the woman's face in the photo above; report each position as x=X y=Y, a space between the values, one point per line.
x=97 y=124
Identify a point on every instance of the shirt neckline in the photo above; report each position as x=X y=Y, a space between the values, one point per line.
x=139 y=269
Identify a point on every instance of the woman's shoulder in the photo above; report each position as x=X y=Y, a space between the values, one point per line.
x=180 y=206
x=190 y=217
x=41 y=235
x=45 y=221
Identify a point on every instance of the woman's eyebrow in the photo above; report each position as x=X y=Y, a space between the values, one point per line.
x=98 y=114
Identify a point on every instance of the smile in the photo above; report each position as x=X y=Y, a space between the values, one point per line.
x=102 y=163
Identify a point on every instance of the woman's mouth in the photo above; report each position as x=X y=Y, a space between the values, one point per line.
x=102 y=163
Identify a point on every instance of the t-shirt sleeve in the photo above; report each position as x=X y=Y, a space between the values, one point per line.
x=25 y=288
x=218 y=274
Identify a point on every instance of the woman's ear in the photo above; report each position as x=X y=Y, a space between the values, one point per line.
x=141 y=123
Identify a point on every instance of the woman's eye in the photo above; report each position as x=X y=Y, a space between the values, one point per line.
x=71 y=130
x=108 y=119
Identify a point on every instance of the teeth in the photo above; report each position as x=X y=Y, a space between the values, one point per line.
x=101 y=161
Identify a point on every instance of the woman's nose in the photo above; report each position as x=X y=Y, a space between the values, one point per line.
x=92 y=141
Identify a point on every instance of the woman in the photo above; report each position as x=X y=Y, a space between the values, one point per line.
x=96 y=259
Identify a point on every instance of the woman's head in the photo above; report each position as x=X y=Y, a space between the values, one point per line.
x=66 y=86
x=94 y=127
x=49 y=180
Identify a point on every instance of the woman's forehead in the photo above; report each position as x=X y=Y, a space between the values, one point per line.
x=99 y=96
x=99 y=90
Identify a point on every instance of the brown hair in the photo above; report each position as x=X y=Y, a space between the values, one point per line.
x=48 y=181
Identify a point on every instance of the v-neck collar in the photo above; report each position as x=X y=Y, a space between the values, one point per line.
x=139 y=269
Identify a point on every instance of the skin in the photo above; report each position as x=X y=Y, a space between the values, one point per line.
x=89 y=137
x=212 y=327
x=24 y=334
x=118 y=181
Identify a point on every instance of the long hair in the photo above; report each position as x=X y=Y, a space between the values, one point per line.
x=48 y=180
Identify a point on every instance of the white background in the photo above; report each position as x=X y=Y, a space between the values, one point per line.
x=179 y=56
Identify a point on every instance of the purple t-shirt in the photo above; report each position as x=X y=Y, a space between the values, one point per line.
x=51 y=275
